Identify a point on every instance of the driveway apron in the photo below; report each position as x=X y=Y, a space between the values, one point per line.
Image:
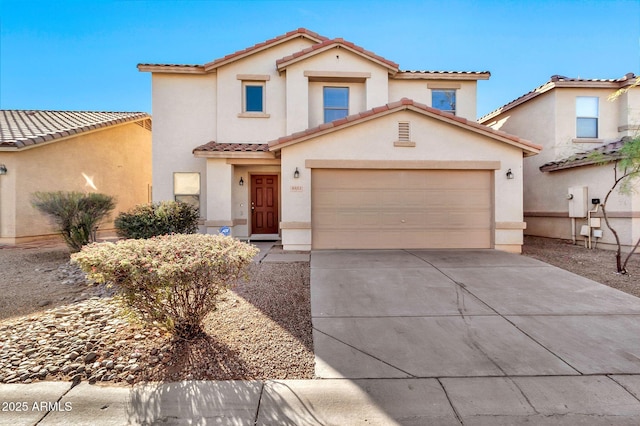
x=465 y=313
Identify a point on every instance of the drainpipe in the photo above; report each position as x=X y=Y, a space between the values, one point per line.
x=3 y=171
x=573 y=231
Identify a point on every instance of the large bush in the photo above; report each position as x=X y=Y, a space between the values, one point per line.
x=75 y=214
x=175 y=279
x=150 y=220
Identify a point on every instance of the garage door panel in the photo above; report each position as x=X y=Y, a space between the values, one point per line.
x=401 y=209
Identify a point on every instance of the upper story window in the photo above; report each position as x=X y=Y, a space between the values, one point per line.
x=444 y=100
x=254 y=89
x=336 y=103
x=253 y=97
x=586 y=117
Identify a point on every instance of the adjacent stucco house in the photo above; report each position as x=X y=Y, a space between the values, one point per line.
x=107 y=152
x=325 y=145
x=571 y=118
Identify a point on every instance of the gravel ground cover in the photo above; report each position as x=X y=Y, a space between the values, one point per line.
x=260 y=330
x=596 y=264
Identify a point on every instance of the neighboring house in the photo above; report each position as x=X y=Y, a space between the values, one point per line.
x=326 y=145
x=106 y=152
x=571 y=118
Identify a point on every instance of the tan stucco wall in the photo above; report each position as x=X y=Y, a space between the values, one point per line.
x=374 y=140
x=117 y=160
x=184 y=112
x=229 y=96
x=304 y=103
x=420 y=91
x=550 y=120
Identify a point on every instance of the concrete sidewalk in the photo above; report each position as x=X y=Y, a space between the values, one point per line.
x=469 y=337
x=551 y=400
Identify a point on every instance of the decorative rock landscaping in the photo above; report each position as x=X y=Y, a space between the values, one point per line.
x=89 y=340
x=261 y=330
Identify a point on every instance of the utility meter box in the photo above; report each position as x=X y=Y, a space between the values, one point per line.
x=578 y=201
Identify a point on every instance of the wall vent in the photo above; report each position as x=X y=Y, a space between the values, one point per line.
x=404 y=131
x=404 y=135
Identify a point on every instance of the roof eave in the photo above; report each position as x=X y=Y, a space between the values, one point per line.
x=282 y=65
x=528 y=148
x=36 y=142
x=453 y=75
x=210 y=66
x=580 y=163
x=234 y=154
x=172 y=69
x=524 y=98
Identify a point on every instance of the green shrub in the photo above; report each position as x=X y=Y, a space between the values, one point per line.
x=175 y=279
x=150 y=220
x=75 y=214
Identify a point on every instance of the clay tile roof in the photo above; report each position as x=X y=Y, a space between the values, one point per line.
x=529 y=147
x=182 y=68
x=434 y=74
x=22 y=128
x=260 y=46
x=560 y=81
x=602 y=154
x=283 y=62
x=232 y=147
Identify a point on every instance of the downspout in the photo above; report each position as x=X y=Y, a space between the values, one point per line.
x=3 y=171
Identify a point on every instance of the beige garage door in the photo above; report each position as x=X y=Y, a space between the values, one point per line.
x=401 y=208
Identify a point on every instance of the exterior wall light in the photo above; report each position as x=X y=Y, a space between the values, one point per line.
x=241 y=183
x=296 y=174
x=509 y=174
x=3 y=169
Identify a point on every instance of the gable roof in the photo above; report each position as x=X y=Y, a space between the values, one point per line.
x=300 y=32
x=528 y=148
x=561 y=81
x=602 y=154
x=26 y=128
x=331 y=44
x=216 y=63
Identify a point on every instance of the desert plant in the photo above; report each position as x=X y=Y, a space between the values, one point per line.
x=75 y=214
x=150 y=220
x=174 y=279
x=626 y=172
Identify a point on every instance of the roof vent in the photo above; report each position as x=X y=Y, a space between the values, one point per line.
x=404 y=135
x=404 y=131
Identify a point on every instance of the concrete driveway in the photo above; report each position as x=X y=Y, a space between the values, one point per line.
x=503 y=338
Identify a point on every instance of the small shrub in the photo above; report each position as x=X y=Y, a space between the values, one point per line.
x=175 y=279
x=150 y=220
x=75 y=214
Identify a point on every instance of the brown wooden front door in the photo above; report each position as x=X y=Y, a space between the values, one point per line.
x=264 y=204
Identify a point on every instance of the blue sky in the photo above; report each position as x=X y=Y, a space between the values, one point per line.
x=82 y=55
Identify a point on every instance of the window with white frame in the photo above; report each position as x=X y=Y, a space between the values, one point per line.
x=253 y=96
x=335 y=103
x=587 y=117
x=186 y=188
x=444 y=100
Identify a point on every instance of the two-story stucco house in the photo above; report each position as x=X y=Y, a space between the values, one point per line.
x=324 y=144
x=571 y=118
